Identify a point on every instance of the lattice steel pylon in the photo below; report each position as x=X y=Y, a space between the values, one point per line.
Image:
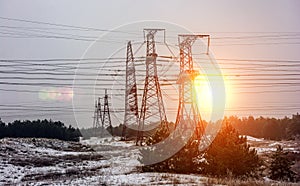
x=152 y=108
x=106 y=121
x=97 y=117
x=188 y=115
x=97 y=114
x=131 y=117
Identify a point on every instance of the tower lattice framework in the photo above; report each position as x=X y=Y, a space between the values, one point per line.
x=97 y=114
x=106 y=120
x=152 y=108
x=131 y=117
x=188 y=115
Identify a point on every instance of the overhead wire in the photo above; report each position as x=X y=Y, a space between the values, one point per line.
x=261 y=67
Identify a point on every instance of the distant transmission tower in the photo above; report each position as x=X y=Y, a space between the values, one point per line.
x=188 y=115
x=97 y=114
x=152 y=109
x=106 y=121
x=131 y=100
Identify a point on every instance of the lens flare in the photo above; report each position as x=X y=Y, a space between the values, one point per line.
x=56 y=94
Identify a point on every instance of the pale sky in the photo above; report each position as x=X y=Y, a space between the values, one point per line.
x=260 y=38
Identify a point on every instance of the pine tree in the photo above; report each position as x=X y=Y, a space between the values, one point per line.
x=230 y=153
x=2 y=129
x=181 y=162
x=160 y=134
x=280 y=168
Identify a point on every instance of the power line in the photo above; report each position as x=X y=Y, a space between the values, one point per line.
x=33 y=29
x=64 y=25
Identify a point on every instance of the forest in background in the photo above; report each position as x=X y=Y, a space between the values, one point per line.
x=39 y=129
x=267 y=128
x=262 y=127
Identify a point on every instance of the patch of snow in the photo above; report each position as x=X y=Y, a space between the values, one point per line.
x=264 y=150
x=111 y=141
x=250 y=138
x=275 y=144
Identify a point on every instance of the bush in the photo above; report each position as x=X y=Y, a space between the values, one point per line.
x=280 y=168
x=181 y=162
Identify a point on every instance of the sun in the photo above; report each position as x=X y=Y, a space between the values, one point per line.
x=204 y=95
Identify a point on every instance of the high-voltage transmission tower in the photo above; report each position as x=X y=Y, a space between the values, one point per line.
x=97 y=114
x=131 y=117
x=152 y=108
x=188 y=115
x=106 y=120
x=102 y=117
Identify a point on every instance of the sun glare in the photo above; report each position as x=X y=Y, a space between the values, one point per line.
x=204 y=97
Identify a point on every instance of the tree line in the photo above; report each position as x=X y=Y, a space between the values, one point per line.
x=262 y=127
x=39 y=129
x=267 y=128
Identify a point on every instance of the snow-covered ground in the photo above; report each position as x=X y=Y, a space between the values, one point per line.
x=55 y=162
x=123 y=169
x=109 y=162
x=266 y=146
x=25 y=161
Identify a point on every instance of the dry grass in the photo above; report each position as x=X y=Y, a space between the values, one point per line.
x=248 y=182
